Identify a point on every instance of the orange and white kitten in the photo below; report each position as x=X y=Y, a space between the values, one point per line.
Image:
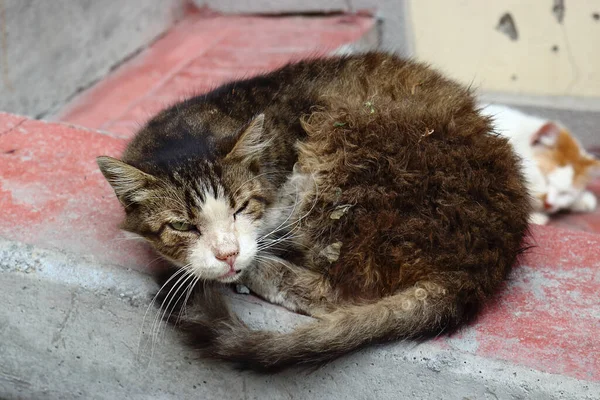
x=557 y=167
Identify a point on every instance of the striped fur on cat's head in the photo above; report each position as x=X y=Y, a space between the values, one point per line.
x=199 y=205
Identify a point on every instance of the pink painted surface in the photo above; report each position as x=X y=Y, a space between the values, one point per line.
x=53 y=195
x=201 y=52
x=548 y=316
x=8 y=122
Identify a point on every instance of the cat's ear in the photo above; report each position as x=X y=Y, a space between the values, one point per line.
x=547 y=135
x=250 y=142
x=129 y=183
x=594 y=164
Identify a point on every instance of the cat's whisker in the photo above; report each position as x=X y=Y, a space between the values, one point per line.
x=149 y=263
x=284 y=222
x=272 y=242
x=292 y=226
x=184 y=286
x=183 y=309
x=316 y=195
x=160 y=316
x=155 y=327
x=271 y=260
x=151 y=305
x=280 y=208
x=281 y=246
x=295 y=223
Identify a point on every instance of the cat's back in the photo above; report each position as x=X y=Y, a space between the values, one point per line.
x=424 y=183
x=197 y=125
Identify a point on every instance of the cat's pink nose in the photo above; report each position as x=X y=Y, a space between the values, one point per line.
x=228 y=257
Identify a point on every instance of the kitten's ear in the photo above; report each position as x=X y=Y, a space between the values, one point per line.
x=547 y=135
x=250 y=143
x=128 y=182
x=594 y=163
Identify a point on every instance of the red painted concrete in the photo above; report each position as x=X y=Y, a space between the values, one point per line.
x=548 y=318
x=52 y=194
x=8 y=122
x=199 y=53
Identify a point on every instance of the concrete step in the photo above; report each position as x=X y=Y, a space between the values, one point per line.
x=59 y=221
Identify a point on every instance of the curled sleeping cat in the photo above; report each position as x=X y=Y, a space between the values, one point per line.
x=557 y=168
x=366 y=191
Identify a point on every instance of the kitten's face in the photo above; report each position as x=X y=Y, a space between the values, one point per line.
x=562 y=189
x=203 y=215
x=567 y=167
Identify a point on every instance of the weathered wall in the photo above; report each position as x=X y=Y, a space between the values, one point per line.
x=50 y=50
x=535 y=48
x=512 y=45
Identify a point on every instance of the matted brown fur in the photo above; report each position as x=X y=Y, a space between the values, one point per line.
x=415 y=212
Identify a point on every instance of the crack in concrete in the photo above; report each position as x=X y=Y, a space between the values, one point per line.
x=14 y=380
x=57 y=337
x=12 y=128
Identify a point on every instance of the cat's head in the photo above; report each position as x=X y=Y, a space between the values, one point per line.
x=199 y=208
x=565 y=164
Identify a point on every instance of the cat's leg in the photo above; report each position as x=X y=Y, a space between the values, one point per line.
x=539 y=218
x=290 y=286
x=586 y=202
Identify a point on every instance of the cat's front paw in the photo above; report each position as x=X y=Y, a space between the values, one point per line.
x=587 y=202
x=242 y=289
x=539 y=218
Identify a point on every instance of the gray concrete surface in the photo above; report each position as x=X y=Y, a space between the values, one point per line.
x=273 y=6
x=71 y=329
x=395 y=30
x=51 y=50
x=395 y=27
x=371 y=40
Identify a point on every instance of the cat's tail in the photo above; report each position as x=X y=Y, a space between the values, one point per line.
x=426 y=309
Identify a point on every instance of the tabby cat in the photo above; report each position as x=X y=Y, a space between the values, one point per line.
x=366 y=191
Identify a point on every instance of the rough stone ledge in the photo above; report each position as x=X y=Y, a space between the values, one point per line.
x=70 y=328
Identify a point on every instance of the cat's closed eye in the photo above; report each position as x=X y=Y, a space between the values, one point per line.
x=252 y=207
x=242 y=208
x=181 y=226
